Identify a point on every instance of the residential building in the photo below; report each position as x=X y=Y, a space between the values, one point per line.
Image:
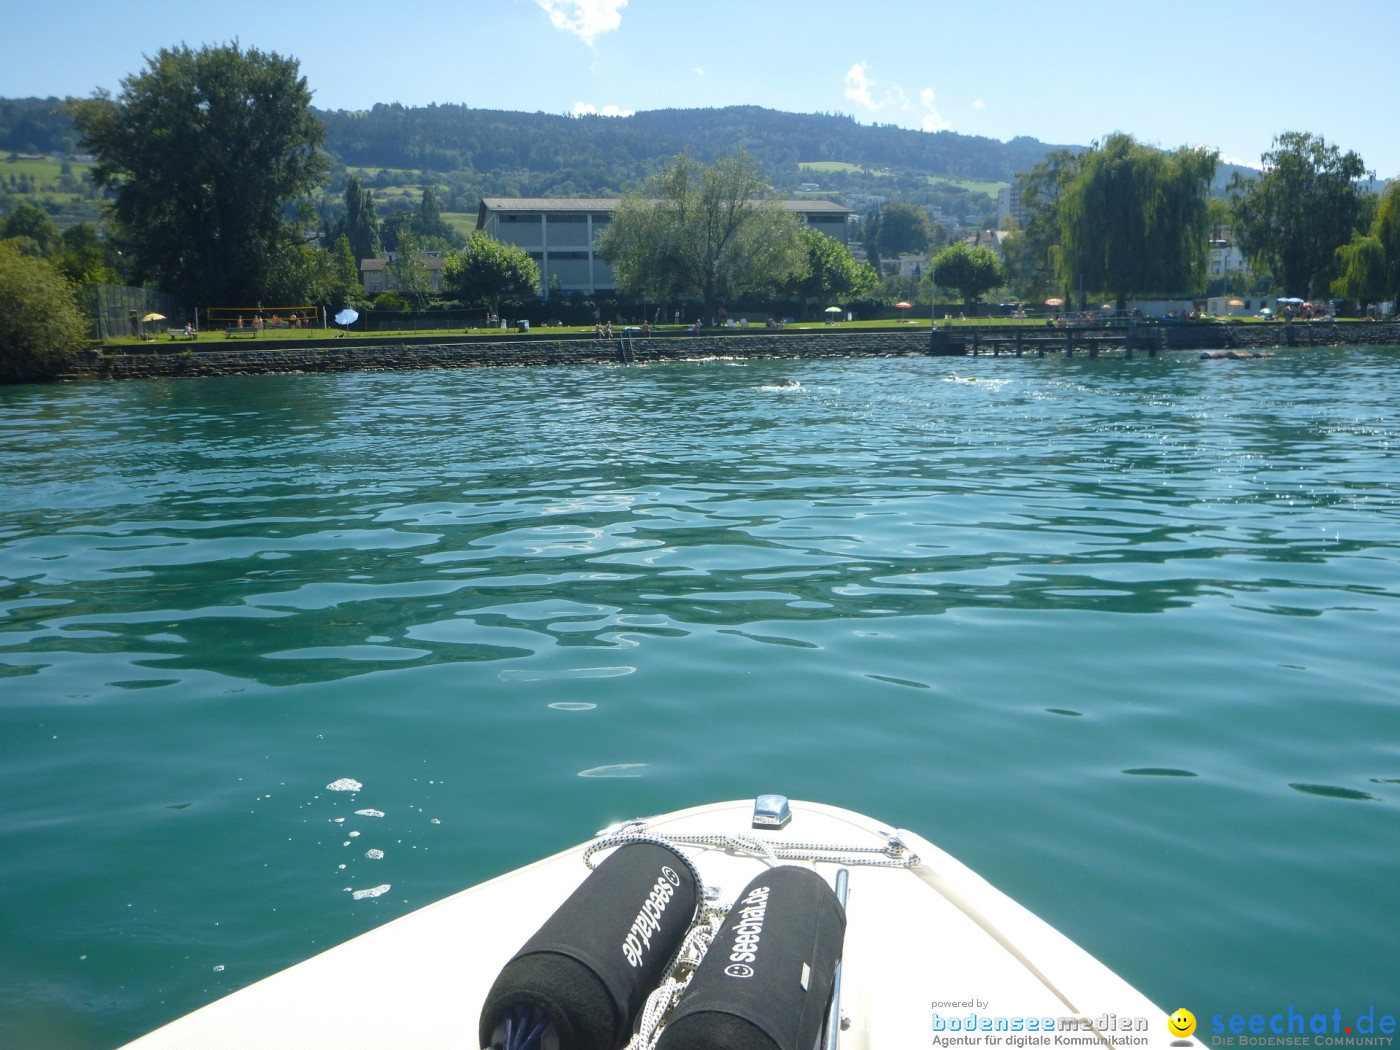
x=993 y=239
x=912 y=265
x=1225 y=257
x=1010 y=206
x=377 y=275
x=561 y=233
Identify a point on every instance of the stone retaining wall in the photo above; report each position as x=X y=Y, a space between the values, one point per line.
x=190 y=360
x=210 y=359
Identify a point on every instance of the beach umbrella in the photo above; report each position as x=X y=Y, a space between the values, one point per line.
x=153 y=316
x=833 y=310
x=1235 y=302
x=1054 y=302
x=902 y=305
x=347 y=317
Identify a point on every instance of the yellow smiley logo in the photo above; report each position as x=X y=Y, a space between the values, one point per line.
x=1182 y=1023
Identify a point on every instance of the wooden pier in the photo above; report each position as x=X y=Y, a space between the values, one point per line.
x=1150 y=337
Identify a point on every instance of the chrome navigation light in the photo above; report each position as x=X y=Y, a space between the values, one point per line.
x=771 y=811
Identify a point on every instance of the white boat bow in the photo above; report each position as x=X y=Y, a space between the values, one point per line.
x=933 y=954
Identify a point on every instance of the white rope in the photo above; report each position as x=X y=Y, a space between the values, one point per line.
x=667 y=994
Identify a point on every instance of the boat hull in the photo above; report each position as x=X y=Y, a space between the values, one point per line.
x=933 y=955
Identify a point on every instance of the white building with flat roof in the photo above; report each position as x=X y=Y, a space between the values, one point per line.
x=561 y=233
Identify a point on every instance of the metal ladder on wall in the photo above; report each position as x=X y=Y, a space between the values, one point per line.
x=626 y=351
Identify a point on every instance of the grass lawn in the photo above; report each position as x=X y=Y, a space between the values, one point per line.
x=987 y=189
x=464 y=222
x=214 y=338
x=841 y=165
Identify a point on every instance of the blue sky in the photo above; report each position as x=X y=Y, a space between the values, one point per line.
x=1225 y=75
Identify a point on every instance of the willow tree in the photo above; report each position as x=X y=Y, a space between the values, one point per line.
x=705 y=230
x=1370 y=264
x=1133 y=219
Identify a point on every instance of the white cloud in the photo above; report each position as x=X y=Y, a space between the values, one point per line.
x=932 y=120
x=699 y=72
x=585 y=19
x=584 y=109
x=858 y=87
x=860 y=90
x=979 y=104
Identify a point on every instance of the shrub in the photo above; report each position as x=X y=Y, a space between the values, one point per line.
x=41 y=326
x=391 y=302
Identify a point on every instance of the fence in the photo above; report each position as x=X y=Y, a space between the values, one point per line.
x=116 y=310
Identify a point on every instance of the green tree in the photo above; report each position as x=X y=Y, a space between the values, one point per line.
x=972 y=271
x=82 y=257
x=829 y=271
x=486 y=269
x=32 y=222
x=702 y=230
x=40 y=324
x=898 y=229
x=205 y=150
x=361 y=224
x=434 y=232
x=1292 y=218
x=1386 y=228
x=391 y=302
x=397 y=222
x=1363 y=270
x=1133 y=219
x=1370 y=264
x=409 y=270
x=345 y=274
x=1032 y=253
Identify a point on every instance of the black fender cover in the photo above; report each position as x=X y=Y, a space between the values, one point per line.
x=590 y=967
x=766 y=979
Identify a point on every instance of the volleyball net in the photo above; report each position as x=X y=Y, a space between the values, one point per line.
x=263 y=317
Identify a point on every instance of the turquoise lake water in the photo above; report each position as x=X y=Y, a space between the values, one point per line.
x=1123 y=636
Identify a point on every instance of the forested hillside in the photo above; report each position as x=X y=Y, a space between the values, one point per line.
x=604 y=153
x=599 y=155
